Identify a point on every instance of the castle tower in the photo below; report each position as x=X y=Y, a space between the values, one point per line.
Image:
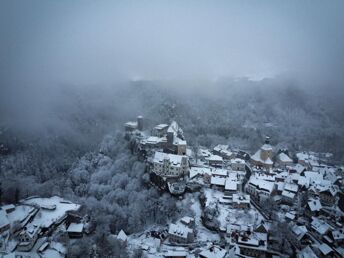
x=140 y=123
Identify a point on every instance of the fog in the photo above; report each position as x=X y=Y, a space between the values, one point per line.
x=54 y=52
x=101 y=41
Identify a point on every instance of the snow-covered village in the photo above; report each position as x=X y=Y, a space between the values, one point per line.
x=270 y=203
x=171 y=129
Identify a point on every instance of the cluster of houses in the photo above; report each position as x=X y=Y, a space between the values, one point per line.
x=307 y=193
x=304 y=191
x=26 y=228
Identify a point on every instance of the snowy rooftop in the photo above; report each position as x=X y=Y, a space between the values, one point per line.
x=204 y=152
x=338 y=234
x=314 y=205
x=307 y=252
x=52 y=210
x=320 y=226
x=131 y=124
x=194 y=171
x=262 y=184
x=288 y=194
x=161 y=126
x=291 y=187
x=159 y=157
x=187 y=219
x=219 y=172
x=8 y=207
x=257 y=157
x=75 y=227
x=220 y=181
x=172 y=253
x=226 y=153
x=266 y=177
x=122 y=236
x=237 y=161
x=179 y=230
x=298 y=167
x=325 y=249
x=253 y=240
x=332 y=189
x=173 y=128
x=313 y=177
x=3 y=219
x=21 y=213
x=241 y=198
x=266 y=147
x=215 y=158
x=220 y=147
x=299 y=231
x=213 y=252
x=284 y=157
x=303 y=181
x=231 y=185
x=152 y=140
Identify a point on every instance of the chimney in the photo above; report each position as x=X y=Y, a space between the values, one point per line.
x=267 y=140
x=140 y=123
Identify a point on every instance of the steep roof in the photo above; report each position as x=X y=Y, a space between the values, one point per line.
x=262 y=184
x=284 y=158
x=122 y=236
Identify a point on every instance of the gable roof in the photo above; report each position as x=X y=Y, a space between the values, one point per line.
x=122 y=235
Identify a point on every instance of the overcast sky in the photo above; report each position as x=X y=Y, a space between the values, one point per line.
x=101 y=41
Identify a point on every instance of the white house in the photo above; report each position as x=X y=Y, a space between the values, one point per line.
x=170 y=165
x=289 y=192
x=180 y=233
x=259 y=189
x=238 y=164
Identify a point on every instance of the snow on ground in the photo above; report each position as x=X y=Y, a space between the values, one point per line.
x=213 y=196
x=203 y=234
x=54 y=250
x=152 y=247
x=229 y=215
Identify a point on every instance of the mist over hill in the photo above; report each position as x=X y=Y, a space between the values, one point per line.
x=238 y=111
